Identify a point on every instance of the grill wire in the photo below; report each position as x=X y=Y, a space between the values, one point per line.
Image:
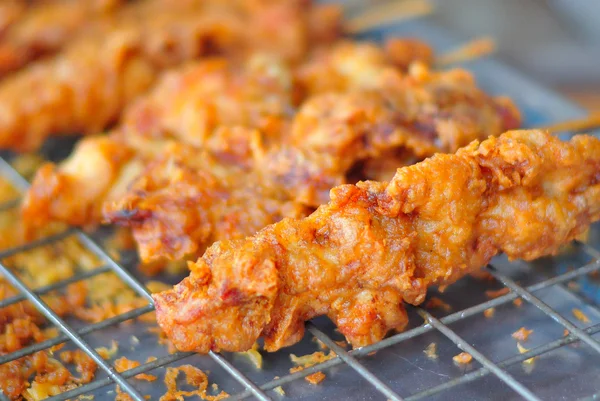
x=351 y=358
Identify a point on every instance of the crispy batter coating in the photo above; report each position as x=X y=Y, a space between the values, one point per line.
x=85 y=87
x=187 y=106
x=189 y=199
x=330 y=134
x=376 y=244
x=43 y=28
x=302 y=156
x=10 y=11
x=413 y=115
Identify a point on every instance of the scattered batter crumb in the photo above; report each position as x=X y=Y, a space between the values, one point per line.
x=566 y=333
x=522 y=334
x=435 y=302
x=278 y=389
x=85 y=397
x=309 y=360
x=193 y=377
x=489 y=312
x=572 y=285
x=122 y=364
x=341 y=343
x=463 y=358
x=372 y=353
x=580 y=315
x=108 y=353
x=497 y=293
x=315 y=378
x=312 y=359
x=215 y=387
x=431 y=351
x=518 y=302
x=254 y=356
x=523 y=350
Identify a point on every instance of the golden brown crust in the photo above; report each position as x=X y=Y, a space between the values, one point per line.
x=29 y=32
x=375 y=244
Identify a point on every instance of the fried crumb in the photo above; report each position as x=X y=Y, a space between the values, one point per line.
x=122 y=364
x=309 y=360
x=522 y=334
x=463 y=358
x=491 y=294
x=214 y=387
x=108 y=353
x=371 y=353
x=312 y=359
x=489 y=312
x=254 y=356
x=121 y=395
x=85 y=397
x=566 y=332
x=431 y=351
x=193 y=377
x=315 y=378
x=582 y=317
x=523 y=350
x=435 y=302
x=279 y=390
x=341 y=343
x=518 y=302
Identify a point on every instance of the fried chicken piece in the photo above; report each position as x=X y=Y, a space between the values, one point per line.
x=417 y=114
x=329 y=135
x=376 y=244
x=188 y=199
x=85 y=87
x=187 y=106
x=352 y=65
x=10 y=11
x=45 y=27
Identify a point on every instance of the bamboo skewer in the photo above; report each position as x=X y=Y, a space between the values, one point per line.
x=588 y=123
x=469 y=51
x=386 y=13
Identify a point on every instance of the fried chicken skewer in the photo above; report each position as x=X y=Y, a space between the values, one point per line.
x=420 y=114
x=85 y=87
x=297 y=155
x=188 y=105
x=377 y=244
x=45 y=27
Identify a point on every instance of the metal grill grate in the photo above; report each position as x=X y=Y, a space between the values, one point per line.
x=349 y=358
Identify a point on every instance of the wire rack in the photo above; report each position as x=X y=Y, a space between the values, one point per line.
x=351 y=359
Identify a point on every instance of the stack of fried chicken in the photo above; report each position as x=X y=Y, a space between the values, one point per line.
x=241 y=136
